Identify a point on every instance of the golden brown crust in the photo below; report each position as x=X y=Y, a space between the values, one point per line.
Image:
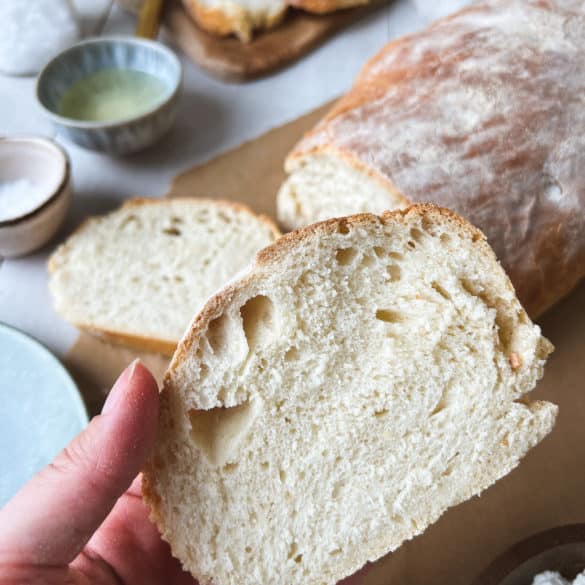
x=219 y=22
x=235 y=205
x=461 y=115
x=137 y=342
x=325 y=6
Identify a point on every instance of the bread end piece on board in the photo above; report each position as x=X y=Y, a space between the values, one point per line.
x=137 y=275
x=364 y=376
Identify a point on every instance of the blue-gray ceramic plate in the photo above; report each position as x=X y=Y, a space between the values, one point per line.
x=41 y=409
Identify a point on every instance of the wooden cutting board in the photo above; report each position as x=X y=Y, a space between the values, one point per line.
x=230 y=59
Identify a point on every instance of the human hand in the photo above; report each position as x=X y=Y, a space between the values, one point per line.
x=81 y=520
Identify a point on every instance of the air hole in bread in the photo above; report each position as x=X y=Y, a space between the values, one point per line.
x=389 y=316
x=248 y=550
x=229 y=467
x=258 y=320
x=411 y=244
x=291 y=355
x=172 y=231
x=219 y=431
x=345 y=256
x=175 y=219
x=282 y=475
x=379 y=251
x=264 y=465
x=335 y=552
x=130 y=222
x=396 y=256
x=445 y=238
x=381 y=413
x=294 y=554
x=394 y=272
x=416 y=234
x=504 y=323
x=368 y=261
x=450 y=465
x=427 y=225
x=178 y=278
x=441 y=290
x=217 y=333
x=441 y=405
x=523 y=400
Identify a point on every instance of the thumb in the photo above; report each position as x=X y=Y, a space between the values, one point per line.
x=53 y=516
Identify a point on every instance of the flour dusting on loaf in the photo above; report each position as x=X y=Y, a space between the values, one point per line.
x=365 y=375
x=481 y=113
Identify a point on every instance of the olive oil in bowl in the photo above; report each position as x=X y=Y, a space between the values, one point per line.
x=110 y=95
x=113 y=94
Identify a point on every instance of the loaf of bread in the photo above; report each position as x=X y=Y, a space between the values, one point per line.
x=243 y=17
x=363 y=376
x=137 y=275
x=481 y=113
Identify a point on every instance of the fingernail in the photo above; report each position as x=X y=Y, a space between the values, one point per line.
x=118 y=389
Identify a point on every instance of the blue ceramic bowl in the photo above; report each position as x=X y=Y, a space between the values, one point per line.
x=120 y=136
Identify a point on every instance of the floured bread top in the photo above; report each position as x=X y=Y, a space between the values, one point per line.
x=139 y=274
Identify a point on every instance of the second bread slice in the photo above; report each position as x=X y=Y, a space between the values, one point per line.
x=139 y=274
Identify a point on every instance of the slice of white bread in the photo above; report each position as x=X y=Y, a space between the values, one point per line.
x=365 y=375
x=137 y=275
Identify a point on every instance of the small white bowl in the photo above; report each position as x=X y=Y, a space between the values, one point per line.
x=122 y=136
x=32 y=222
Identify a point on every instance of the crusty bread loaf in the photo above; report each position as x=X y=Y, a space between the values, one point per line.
x=243 y=17
x=366 y=374
x=137 y=275
x=481 y=113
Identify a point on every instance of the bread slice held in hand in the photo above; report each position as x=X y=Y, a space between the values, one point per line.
x=138 y=275
x=364 y=376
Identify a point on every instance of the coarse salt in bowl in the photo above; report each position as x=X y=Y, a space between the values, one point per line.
x=35 y=193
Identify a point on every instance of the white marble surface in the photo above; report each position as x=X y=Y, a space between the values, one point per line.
x=214 y=116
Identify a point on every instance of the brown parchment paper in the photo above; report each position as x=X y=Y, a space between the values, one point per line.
x=546 y=490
